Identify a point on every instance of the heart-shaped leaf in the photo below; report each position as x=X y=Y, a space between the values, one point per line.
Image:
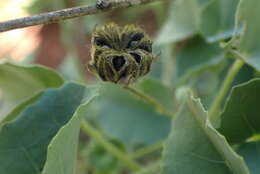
x=24 y=140
x=195 y=147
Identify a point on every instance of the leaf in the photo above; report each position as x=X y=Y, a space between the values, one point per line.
x=218 y=20
x=62 y=151
x=240 y=119
x=19 y=108
x=248 y=43
x=206 y=85
x=195 y=147
x=18 y=83
x=250 y=152
x=182 y=22
x=24 y=140
x=127 y=118
x=196 y=57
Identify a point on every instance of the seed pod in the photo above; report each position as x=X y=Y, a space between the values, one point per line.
x=120 y=54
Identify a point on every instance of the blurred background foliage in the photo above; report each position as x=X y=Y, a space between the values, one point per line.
x=187 y=36
x=65 y=47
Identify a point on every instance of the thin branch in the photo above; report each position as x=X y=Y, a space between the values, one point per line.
x=153 y=168
x=97 y=136
x=146 y=150
x=216 y=105
x=60 y=15
x=158 y=107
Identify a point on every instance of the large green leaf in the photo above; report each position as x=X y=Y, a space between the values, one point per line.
x=195 y=147
x=240 y=118
x=197 y=56
x=61 y=156
x=123 y=116
x=17 y=83
x=249 y=44
x=250 y=152
x=24 y=140
x=218 y=19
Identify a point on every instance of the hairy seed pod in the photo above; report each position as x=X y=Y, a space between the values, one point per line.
x=120 y=54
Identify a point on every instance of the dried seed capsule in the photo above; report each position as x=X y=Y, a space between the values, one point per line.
x=120 y=54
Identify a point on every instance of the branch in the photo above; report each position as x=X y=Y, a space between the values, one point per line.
x=216 y=105
x=60 y=15
x=98 y=137
x=158 y=107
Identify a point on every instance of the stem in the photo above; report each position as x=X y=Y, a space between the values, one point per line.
x=159 y=108
x=60 y=15
x=214 y=110
x=148 y=149
x=150 y=169
x=97 y=136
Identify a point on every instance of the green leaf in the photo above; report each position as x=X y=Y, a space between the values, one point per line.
x=18 y=83
x=251 y=154
x=127 y=118
x=182 y=22
x=218 y=20
x=24 y=140
x=206 y=85
x=195 y=147
x=19 y=108
x=62 y=151
x=248 y=44
x=240 y=118
x=197 y=56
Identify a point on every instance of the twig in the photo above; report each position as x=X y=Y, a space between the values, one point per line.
x=214 y=110
x=97 y=136
x=159 y=108
x=146 y=150
x=154 y=168
x=60 y=15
